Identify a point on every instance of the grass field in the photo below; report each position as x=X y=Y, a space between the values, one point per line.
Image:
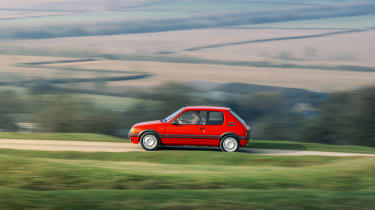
x=293 y=145
x=184 y=180
x=262 y=144
x=60 y=136
x=185 y=199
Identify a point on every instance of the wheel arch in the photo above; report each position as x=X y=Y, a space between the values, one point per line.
x=149 y=131
x=229 y=134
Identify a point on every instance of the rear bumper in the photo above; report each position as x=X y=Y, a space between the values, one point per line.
x=244 y=142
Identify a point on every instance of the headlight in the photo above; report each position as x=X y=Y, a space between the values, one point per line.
x=132 y=130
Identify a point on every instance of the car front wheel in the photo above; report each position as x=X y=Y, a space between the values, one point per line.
x=229 y=144
x=150 y=142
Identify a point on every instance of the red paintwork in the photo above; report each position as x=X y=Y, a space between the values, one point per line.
x=198 y=135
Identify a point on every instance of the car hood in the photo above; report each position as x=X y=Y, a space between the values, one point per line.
x=154 y=122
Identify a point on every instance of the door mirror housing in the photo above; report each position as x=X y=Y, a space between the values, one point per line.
x=174 y=122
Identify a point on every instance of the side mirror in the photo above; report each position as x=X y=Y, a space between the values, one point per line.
x=174 y=122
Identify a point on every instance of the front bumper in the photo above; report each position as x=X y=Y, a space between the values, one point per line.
x=134 y=138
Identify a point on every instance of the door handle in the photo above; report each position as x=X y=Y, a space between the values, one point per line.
x=201 y=128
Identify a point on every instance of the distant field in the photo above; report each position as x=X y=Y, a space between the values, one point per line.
x=285 y=43
x=356 y=22
x=326 y=63
x=151 y=43
x=166 y=70
x=19 y=14
x=335 y=48
x=8 y=64
x=311 y=79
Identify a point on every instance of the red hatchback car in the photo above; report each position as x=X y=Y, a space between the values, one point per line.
x=194 y=125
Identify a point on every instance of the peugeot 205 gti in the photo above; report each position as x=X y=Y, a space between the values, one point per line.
x=194 y=125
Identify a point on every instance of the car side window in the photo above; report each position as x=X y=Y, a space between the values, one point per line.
x=215 y=118
x=192 y=118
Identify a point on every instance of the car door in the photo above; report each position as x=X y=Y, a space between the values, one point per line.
x=186 y=129
x=214 y=127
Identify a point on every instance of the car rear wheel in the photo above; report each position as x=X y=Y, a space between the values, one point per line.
x=229 y=144
x=150 y=142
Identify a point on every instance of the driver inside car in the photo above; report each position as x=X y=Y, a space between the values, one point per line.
x=194 y=121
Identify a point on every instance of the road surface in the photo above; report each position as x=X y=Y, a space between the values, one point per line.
x=88 y=146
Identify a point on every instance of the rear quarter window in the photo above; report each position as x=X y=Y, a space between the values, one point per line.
x=215 y=118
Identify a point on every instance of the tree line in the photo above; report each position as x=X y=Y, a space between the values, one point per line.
x=346 y=117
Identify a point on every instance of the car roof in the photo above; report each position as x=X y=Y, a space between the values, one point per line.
x=210 y=108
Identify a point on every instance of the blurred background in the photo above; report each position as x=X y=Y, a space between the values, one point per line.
x=295 y=70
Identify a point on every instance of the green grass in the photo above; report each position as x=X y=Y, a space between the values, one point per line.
x=186 y=199
x=263 y=172
x=180 y=157
x=183 y=180
x=262 y=144
x=293 y=145
x=61 y=136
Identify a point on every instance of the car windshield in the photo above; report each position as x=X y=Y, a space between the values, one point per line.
x=170 y=117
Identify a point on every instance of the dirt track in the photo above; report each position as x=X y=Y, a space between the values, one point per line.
x=87 y=146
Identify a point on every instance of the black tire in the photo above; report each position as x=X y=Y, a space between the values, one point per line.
x=229 y=143
x=150 y=141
